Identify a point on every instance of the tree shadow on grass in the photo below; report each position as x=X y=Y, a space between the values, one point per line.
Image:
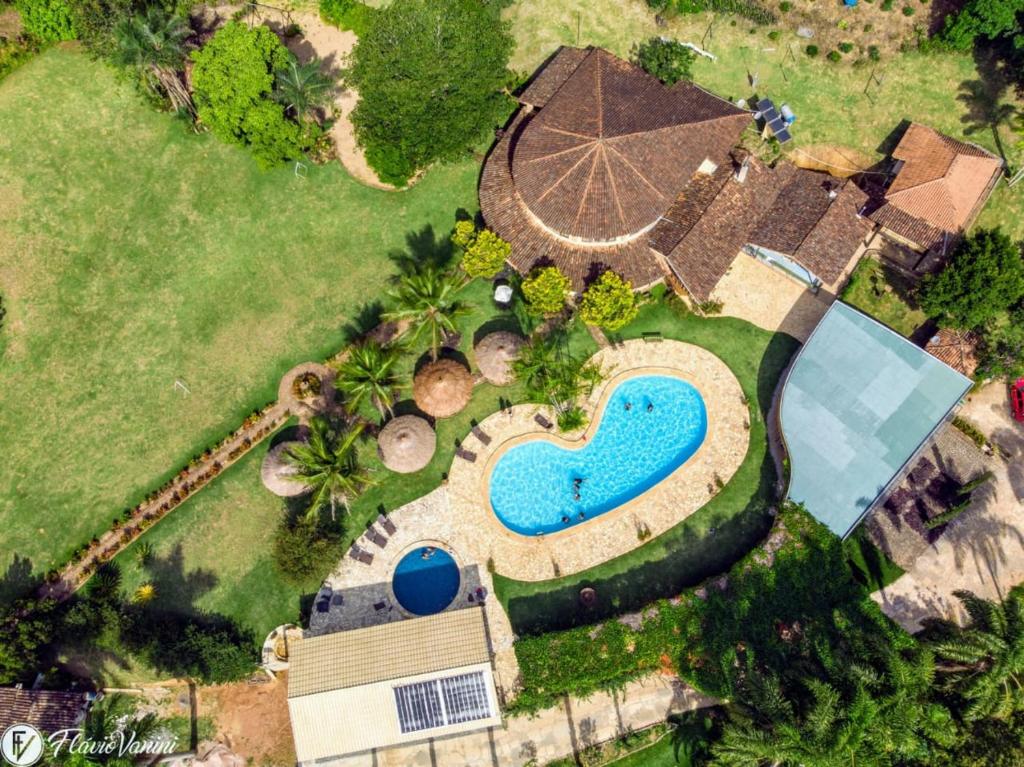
x=424 y=249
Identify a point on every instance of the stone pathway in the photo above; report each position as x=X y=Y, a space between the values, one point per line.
x=983 y=551
x=552 y=734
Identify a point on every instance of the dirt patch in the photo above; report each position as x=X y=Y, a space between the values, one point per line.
x=252 y=720
x=10 y=24
x=841 y=162
x=882 y=24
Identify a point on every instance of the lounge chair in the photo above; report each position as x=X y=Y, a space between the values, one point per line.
x=466 y=455
x=481 y=435
x=378 y=606
x=544 y=422
x=376 y=537
x=387 y=524
x=359 y=555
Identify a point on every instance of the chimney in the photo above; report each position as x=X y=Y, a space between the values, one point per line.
x=741 y=172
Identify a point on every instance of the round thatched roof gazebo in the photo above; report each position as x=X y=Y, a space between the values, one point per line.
x=495 y=354
x=442 y=388
x=277 y=472
x=406 y=444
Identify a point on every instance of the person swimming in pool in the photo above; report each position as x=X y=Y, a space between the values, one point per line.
x=565 y=520
x=576 y=497
x=581 y=516
x=629 y=406
x=650 y=407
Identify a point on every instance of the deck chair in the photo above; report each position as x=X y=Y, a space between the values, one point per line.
x=387 y=524
x=481 y=435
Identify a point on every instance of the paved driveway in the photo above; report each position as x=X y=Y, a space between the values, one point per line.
x=983 y=551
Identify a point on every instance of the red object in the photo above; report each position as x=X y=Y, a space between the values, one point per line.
x=1017 y=399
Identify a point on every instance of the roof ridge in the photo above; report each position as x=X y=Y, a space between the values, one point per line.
x=704 y=121
x=565 y=175
x=941 y=182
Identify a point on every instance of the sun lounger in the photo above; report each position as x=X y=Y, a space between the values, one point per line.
x=358 y=554
x=378 y=606
x=376 y=537
x=387 y=524
x=481 y=435
x=466 y=455
x=544 y=422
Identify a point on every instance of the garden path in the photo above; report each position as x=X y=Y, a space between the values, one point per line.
x=332 y=46
x=983 y=550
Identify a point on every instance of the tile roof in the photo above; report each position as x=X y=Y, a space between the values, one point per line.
x=940 y=188
x=551 y=76
x=613 y=146
x=47 y=710
x=957 y=349
x=533 y=245
x=451 y=639
x=785 y=209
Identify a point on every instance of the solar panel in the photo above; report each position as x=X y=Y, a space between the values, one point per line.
x=764 y=105
x=440 y=702
x=776 y=125
x=783 y=136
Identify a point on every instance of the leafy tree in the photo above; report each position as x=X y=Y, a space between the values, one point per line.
x=427 y=299
x=302 y=88
x=1001 y=351
x=608 y=302
x=983 y=279
x=668 y=60
x=368 y=374
x=546 y=290
x=329 y=465
x=209 y=649
x=94 y=21
x=25 y=631
x=988 y=19
x=153 y=43
x=233 y=80
x=485 y=256
x=47 y=20
x=986 y=659
x=464 y=234
x=430 y=75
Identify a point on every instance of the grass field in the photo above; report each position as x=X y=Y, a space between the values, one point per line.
x=710 y=540
x=886 y=295
x=134 y=254
x=829 y=100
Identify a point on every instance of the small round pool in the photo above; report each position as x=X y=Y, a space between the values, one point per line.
x=426 y=580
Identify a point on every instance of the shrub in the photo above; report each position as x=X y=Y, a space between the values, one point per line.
x=869 y=27
x=887 y=5
x=811 y=50
x=834 y=56
x=348 y=14
x=486 y=254
x=846 y=47
x=774 y=35
x=390 y=165
x=46 y=20
x=304 y=549
x=546 y=290
x=14 y=53
x=94 y=20
x=971 y=431
x=908 y=10
x=608 y=302
x=572 y=419
x=233 y=81
x=668 y=60
x=785 y=6
x=454 y=50
x=873 y=53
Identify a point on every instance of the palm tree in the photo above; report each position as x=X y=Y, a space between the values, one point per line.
x=552 y=374
x=328 y=464
x=427 y=299
x=154 y=44
x=303 y=87
x=113 y=714
x=369 y=373
x=985 y=660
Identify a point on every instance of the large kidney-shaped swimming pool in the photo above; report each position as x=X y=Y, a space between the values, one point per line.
x=651 y=425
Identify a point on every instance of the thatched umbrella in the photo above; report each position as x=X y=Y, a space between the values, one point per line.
x=406 y=444
x=495 y=354
x=277 y=472
x=442 y=388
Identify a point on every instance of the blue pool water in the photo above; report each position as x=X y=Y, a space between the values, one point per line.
x=533 y=486
x=426 y=580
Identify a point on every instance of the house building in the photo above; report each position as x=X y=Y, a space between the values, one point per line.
x=936 y=190
x=48 y=711
x=395 y=683
x=605 y=167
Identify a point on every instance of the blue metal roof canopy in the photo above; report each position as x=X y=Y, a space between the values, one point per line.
x=858 y=404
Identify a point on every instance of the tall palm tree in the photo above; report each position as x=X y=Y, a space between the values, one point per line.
x=368 y=373
x=301 y=88
x=428 y=300
x=113 y=714
x=328 y=464
x=552 y=374
x=985 y=660
x=154 y=44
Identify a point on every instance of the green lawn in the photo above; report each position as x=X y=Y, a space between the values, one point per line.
x=689 y=552
x=134 y=254
x=886 y=295
x=829 y=100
